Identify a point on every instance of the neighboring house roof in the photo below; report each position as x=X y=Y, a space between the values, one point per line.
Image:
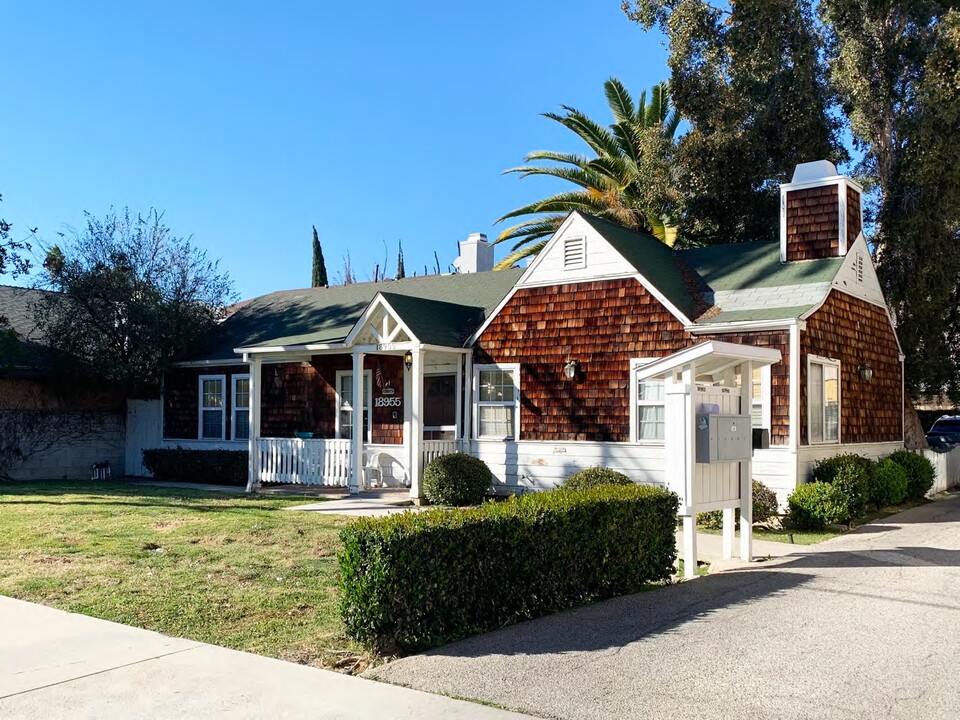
x=439 y=309
x=26 y=353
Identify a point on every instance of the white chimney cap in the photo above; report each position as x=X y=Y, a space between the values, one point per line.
x=477 y=237
x=816 y=170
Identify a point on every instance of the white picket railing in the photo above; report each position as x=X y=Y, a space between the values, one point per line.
x=305 y=462
x=432 y=449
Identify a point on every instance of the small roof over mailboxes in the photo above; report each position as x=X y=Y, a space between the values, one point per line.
x=710 y=358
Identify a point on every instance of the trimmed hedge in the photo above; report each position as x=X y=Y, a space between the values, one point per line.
x=888 y=484
x=596 y=477
x=417 y=580
x=222 y=467
x=826 y=469
x=765 y=506
x=815 y=505
x=920 y=472
x=456 y=479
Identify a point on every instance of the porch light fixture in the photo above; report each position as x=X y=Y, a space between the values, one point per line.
x=570 y=369
x=277 y=379
x=408 y=359
x=865 y=372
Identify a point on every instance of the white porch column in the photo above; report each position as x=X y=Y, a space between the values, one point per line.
x=746 y=469
x=356 y=476
x=416 y=424
x=467 y=401
x=680 y=453
x=253 y=473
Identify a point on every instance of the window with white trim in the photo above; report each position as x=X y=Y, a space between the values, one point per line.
x=574 y=253
x=498 y=401
x=212 y=413
x=345 y=405
x=440 y=406
x=648 y=406
x=823 y=400
x=240 y=426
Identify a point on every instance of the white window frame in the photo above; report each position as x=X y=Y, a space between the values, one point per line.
x=636 y=364
x=456 y=389
x=764 y=401
x=233 y=406
x=222 y=408
x=368 y=390
x=514 y=370
x=829 y=362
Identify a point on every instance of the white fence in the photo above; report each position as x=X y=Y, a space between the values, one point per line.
x=305 y=462
x=432 y=449
x=947 y=466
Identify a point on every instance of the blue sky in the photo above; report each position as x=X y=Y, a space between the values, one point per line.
x=246 y=123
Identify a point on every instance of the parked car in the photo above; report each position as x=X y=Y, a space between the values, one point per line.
x=945 y=433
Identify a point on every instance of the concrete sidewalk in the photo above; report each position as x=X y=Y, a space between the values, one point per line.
x=58 y=665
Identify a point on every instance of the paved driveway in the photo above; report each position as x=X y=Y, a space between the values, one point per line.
x=866 y=625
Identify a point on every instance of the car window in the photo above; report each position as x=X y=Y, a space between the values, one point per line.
x=946 y=426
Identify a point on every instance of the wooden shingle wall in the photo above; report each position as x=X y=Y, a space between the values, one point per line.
x=853 y=215
x=181 y=399
x=601 y=325
x=813 y=223
x=854 y=331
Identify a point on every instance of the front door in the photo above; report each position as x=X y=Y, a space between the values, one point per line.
x=440 y=407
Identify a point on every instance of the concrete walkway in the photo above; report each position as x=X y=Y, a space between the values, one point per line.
x=56 y=665
x=864 y=625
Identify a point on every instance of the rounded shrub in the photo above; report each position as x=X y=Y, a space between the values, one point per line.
x=815 y=505
x=595 y=477
x=888 y=484
x=920 y=472
x=826 y=470
x=456 y=479
x=765 y=506
x=853 y=480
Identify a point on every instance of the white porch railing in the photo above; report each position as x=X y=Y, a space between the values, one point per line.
x=432 y=449
x=305 y=462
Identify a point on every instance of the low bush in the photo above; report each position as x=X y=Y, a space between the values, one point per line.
x=814 y=505
x=920 y=472
x=826 y=470
x=888 y=484
x=456 y=479
x=417 y=580
x=595 y=477
x=853 y=480
x=765 y=506
x=221 y=467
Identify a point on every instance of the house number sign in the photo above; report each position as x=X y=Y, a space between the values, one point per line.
x=384 y=401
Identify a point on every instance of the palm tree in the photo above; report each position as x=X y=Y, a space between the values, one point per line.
x=627 y=182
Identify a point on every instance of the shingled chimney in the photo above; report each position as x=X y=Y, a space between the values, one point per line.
x=820 y=213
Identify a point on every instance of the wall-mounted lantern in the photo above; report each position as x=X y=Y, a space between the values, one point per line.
x=570 y=369
x=408 y=359
x=277 y=379
x=865 y=371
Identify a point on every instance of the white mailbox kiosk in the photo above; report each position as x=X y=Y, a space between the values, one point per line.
x=708 y=436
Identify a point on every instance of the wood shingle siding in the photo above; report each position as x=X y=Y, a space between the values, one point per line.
x=813 y=223
x=854 y=331
x=853 y=216
x=601 y=325
x=181 y=399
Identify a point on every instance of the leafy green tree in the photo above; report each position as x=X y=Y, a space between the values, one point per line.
x=750 y=79
x=131 y=298
x=319 y=278
x=627 y=180
x=896 y=69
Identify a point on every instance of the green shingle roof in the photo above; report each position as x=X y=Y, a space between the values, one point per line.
x=740 y=266
x=326 y=315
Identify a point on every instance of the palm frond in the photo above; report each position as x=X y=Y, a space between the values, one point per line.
x=619 y=100
x=560 y=157
x=585 y=178
x=510 y=260
x=530 y=228
x=561 y=203
x=598 y=137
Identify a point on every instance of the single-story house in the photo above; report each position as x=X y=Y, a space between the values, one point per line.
x=49 y=430
x=539 y=371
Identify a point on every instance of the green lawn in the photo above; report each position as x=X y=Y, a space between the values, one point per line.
x=231 y=570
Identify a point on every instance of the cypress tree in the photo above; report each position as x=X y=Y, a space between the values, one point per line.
x=319 y=266
x=401 y=273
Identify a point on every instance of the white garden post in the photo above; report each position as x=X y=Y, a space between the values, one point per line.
x=728 y=532
x=746 y=469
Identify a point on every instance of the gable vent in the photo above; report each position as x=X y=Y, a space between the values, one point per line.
x=859 y=268
x=574 y=253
